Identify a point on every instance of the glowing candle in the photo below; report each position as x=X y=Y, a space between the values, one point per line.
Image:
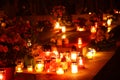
x=63 y=29
x=47 y=53
x=109 y=21
x=79 y=40
x=60 y=71
x=74 y=68
x=89 y=55
x=73 y=55
x=109 y=29
x=63 y=36
x=93 y=29
x=81 y=62
x=30 y=68
x=19 y=68
x=80 y=29
x=57 y=25
x=39 y=67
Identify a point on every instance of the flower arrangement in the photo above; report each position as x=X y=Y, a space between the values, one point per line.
x=12 y=47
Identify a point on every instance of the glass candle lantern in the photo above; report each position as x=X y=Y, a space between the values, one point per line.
x=39 y=67
x=63 y=29
x=73 y=56
x=79 y=40
x=74 y=68
x=19 y=68
x=89 y=55
x=93 y=29
x=60 y=71
x=29 y=68
x=47 y=53
x=109 y=21
x=80 y=62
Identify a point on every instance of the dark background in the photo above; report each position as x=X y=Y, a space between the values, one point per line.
x=43 y=7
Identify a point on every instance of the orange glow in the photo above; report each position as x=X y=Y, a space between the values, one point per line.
x=19 y=68
x=89 y=55
x=109 y=21
x=80 y=29
x=74 y=68
x=93 y=29
x=60 y=71
x=57 y=25
x=81 y=62
x=79 y=40
x=39 y=67
x=63 y=36
x=63 y=29
x=29 y=68
x=73 y=56
x=1 y=77
x=47 y=53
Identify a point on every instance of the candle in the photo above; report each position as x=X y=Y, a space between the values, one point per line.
x=80 y=29
x=19 y=68
x=73 y=55
x=63 y=36
x=39 y=67
x=93 y=29
x=81 y=61
x=63 y=29
x=109 y=21
x=74 y=68
x=47 y=53
x=60 y=71
x=30 y=68
x=89 y=55
x=79 y=40
x=57 y=25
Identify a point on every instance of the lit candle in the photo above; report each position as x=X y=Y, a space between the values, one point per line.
x=60 y=71
x=79 y=40
x=89 y=55
x=109 y=29
x=63 y=36
x=39 y=67
x=74 y=68
x=30 y=68
x=19 y=68
x=47 y=53
x=80 y=29
x=73 y=55
x=57 y=25
x=93 y=29
x=81 y=62
x=109 y=21
x=63 y=29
